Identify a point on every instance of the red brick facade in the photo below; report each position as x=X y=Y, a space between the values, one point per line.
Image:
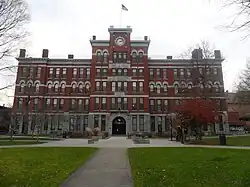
x=119 y=80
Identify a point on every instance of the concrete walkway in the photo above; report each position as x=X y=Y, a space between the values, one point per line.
x=109 y=167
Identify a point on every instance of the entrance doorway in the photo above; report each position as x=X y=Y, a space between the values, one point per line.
x=119 y=126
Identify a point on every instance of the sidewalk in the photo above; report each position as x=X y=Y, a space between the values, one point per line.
x=109 y=167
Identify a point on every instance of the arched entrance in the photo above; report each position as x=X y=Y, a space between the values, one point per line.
x=119 y=126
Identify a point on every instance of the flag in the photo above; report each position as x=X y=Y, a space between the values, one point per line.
x=124 y=8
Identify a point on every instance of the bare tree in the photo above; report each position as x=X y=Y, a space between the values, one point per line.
x=13 y=124
x=14 y=16
x=243 y=86
x=241 y=18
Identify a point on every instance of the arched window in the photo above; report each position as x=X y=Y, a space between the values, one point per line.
x=176 y=88
x=99 y=56
x=56 y=87
x=105 y=56
x=140 y=54
x=80 y=87
x=74 y=87
x=217 y=87
x=189 y=86
x=151 y=87
x=165 y=87
x=134 y=55
x=63 y=87
x=87 y=86
x=22 y=87
x=37 y=87
x=49 y=87
x=158 y=88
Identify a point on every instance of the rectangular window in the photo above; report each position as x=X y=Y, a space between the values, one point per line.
x=38 y=72
x=182 y=72
x=24 y=71
x=97 y=101
x=141 y=123
x=134 y=123
x=113 y=86
x=80 y=104
x=96 y=121
x=86 y=105
x=134 y=72
x=35 y=103
x=75 y=72
x=113 y=105
x=125 y=72
x=61 y=103
x=166 y=105
x=104 y=103
x=215 y=71
x=134 y=104
x=141 y=104
x=175 y=73
x=51 y=72
x=159 y=122
x=152 y=105
x=119 y=103
x=165 y=73
x=98 y=72
x=104 y=86
x=31 y=72
x=103 y=123
x=151 y=73
x=88 y=72
x=57 y=72
x=81 y=73
x=134 y=86
x=73 y=103
x=55 y=104
x=85 y=122
x=47 y=103
x=97 y=86
x=64 y=72
x=140 y=86
x=159 y=105
x=158 y=73
x=188 y=72
x=125 y=86
x=114 y=72
x=119 y=86
x=105 y=72
x=125 y=103
x=152 y=123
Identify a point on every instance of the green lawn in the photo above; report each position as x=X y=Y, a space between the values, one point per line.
x=40 y=167
x=231 y=141
x=16 y=142
x=190 y=167
x=27 y=138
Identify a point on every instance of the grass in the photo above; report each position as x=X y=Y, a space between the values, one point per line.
x=40 y=167
x=190 y=167
x=28 y=138
x=231 y=141
x=16 y=142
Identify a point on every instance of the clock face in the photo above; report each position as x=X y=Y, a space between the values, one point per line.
x=120 y=41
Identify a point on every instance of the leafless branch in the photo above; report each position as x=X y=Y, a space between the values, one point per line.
x=14 y=17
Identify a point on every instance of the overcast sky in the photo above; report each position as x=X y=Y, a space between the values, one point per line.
x=65 y=26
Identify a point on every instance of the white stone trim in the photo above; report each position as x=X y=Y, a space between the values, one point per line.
x=117 y=96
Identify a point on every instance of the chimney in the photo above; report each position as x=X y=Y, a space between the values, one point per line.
x=70 y=56
x=45 y=53
x=217 y=54
x=169 y=57
x=145 y=37
x=93 y=37
x=22 y=53
x=197 y=54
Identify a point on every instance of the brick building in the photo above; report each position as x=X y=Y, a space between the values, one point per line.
x=120 y=89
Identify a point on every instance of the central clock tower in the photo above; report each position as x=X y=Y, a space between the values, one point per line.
x=120 y=39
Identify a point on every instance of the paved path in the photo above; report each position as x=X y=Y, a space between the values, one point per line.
x=118 y=142
x=109 y=167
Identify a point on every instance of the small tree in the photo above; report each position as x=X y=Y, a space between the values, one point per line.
x=13 y=124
